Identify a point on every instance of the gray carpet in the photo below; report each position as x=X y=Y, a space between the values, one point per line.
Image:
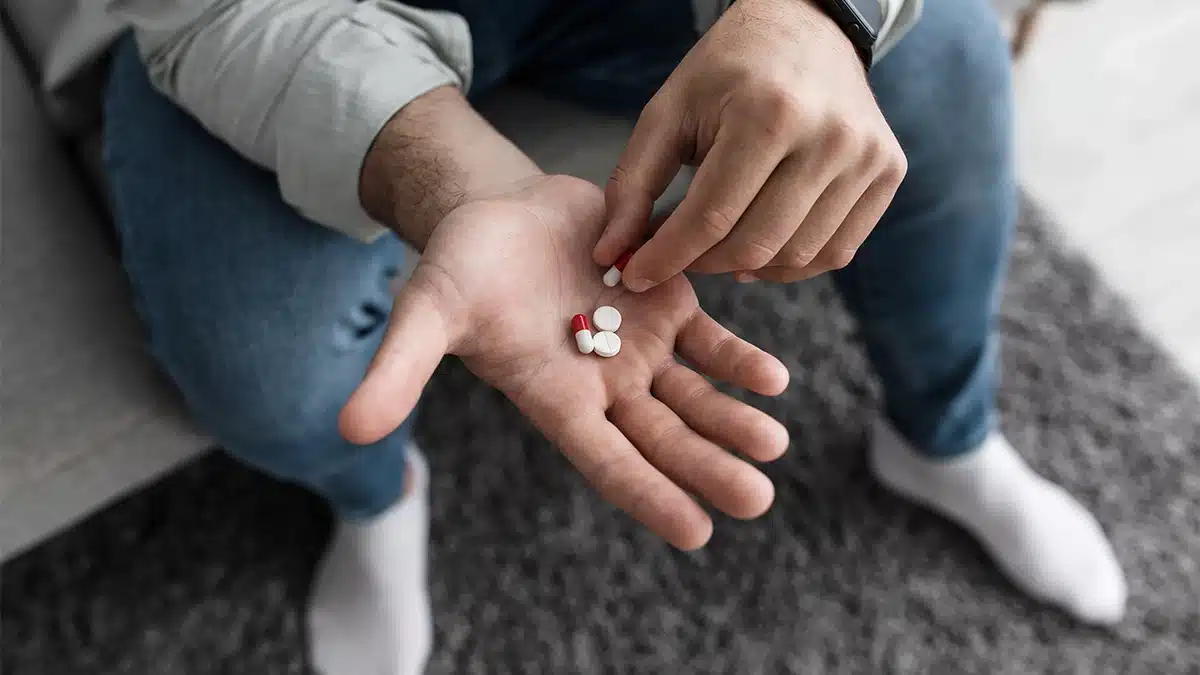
x=206 y=572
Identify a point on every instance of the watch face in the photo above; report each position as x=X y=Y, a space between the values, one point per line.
x=869 y=13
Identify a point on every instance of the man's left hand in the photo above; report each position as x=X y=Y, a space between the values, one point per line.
x=796 y=162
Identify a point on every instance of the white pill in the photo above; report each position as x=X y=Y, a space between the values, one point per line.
x=583 y=334
x=613 y=276
x=606 y=318
x=585 y=342
x=607 y=343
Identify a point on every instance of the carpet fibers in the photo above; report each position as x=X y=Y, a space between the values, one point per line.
x=207 y=571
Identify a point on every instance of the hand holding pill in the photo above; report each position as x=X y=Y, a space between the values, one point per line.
x=500 y=284
x=795 y=162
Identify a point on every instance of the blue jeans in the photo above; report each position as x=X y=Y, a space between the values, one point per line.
x=266 y=322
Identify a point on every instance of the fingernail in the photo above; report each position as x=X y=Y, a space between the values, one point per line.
x=637 y=285
x=744 y=277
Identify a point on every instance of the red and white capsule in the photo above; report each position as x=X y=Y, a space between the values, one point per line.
x=583 y=334
x=613 y=276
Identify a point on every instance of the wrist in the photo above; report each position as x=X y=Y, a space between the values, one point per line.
x=797 y=17
x=434 y=155
x=853 y=23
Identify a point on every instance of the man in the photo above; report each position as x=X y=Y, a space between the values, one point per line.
x=267 y=158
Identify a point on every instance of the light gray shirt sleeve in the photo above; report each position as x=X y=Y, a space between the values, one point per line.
x=899 y=17
x=301 y=87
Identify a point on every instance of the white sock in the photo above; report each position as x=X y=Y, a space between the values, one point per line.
x=369 y=613
x=1047 y=543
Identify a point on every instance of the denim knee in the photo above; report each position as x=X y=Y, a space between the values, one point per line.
x=280 y=416
x=946 y=91
x=275 y=413
x=265 y=321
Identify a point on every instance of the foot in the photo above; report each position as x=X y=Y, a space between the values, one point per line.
x=1047 y=543
x=370 y=608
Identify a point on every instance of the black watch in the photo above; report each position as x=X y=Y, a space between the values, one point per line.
x=861 y=20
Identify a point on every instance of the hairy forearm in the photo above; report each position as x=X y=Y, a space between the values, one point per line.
x=435 y=154
x=300 y=87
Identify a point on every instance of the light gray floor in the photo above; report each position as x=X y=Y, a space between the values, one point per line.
x=1108 y=137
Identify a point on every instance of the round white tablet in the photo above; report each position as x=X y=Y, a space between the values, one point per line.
x=607 y=343
x=606 y=318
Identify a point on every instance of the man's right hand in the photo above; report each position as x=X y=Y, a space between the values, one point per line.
x=500 y=277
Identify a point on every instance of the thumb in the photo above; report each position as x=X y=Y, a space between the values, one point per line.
x=417 y=337
x=646 y=168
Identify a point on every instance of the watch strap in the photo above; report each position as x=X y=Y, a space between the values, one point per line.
x=861 y=21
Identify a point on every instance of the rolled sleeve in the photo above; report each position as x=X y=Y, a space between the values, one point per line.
x=303 y=87
x=899 y=18
x=345 y=90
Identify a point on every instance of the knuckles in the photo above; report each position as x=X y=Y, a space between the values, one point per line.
x=837 y=259
x=752 y=256
x=845 y=136
x=785 y=114
x=797 y=258
x=714 y=223
x=868 y=144
x=896 y=166
x=654 y=112
x=620 y=183
x=875 y=153
x=812 y=263
x=777 y=111
x=885 y=159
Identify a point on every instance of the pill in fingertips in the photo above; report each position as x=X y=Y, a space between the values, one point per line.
x=607 y=343
x=606 y=318
x=613 y=276
x=583 y=334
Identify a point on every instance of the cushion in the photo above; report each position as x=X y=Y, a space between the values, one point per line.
x=37 y=23
x=86 y=417
x=73 y=105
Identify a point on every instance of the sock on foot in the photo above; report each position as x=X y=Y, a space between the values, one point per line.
x=370 y=611
x=1047 y=543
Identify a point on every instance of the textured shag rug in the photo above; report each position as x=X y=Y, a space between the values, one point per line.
x=207 y=571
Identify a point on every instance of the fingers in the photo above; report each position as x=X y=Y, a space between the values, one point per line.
x=732 y=173
x=865 y=215
x=417 y=338
x=722 y=419
x=693 y=462
x=857 y=225
x=716 y=352
x=649 y=162
x=809 y=250
x=852 y=206
x=775 y=215
x=777 y=275
x=623 y=477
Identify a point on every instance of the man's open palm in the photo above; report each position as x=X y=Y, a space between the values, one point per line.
x=497 y=286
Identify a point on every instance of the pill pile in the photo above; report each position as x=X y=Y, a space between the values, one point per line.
x=607 y=319
x=605 y=343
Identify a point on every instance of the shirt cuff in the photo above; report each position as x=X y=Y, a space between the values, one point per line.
x=899 y=17
x=345 y=89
